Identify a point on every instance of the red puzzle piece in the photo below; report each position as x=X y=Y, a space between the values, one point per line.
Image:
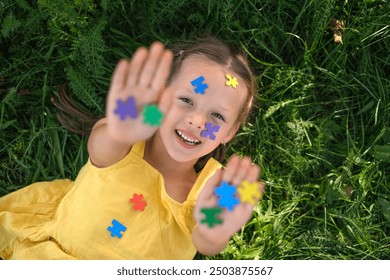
x=139 y=203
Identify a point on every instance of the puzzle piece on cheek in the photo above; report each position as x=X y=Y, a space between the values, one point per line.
x=249 y=192
x=152 y=115
x=226 y=194
x=139 y=203
x=126 y=108
x=198 y=84
x=210 y=130
x=232 y=81
x=116 y=229
x=211 y=216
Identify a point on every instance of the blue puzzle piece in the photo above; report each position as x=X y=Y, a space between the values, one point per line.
x=116 y=229
x=209 y=131
x=226 y=194
x=126 y=108
x=198 y=84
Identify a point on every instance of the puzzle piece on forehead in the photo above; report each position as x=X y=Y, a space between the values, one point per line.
x=211 y=217
x=152 y=115
x=226 y=194
x=232 y=81
x=210 y=130
x=249 y=192
x=199 y=85
x=126 y=108
x=139 y=203
x=116 y=229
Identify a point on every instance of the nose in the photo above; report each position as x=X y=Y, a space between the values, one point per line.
x=197 y=120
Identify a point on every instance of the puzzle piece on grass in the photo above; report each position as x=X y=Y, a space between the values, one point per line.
x=226 y=193
x=152 y=115
x=199 y=85
x=125 y=108
x=232 y=81
x=116 y=229
x=249 y=192
x=139 y=203
x=210 y=130
x=211 y=216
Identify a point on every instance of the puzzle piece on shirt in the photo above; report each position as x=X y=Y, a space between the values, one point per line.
x=249 y=192
x=210 y=130
x=211 y=216
x=152 y=115
x=116 y=229
x=199 y=85
x=226 y=194
x=232 y=81
x=125 y=108
x=139 y=203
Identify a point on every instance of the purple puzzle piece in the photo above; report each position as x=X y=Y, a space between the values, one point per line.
x=210 y=130
x=199 y=85
x=126 y=108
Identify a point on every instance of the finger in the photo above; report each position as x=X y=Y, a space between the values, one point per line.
x=151 y=63
x=241 y=170
x=253 y=173
x=208 y=190
x=230 y=169
x=136 y=65
x=162 y=72
x=118 y=80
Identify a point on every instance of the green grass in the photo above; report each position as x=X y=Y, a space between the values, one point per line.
x=320 y=129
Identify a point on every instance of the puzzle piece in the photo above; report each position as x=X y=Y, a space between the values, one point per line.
x=116 y=229
x=232 y=81
x=211 y=216
x=139 y=203
x=209 y=131
x=126 y=108
x=198 y=84
x=249 y=192
x=226 y=194
x=152 y=115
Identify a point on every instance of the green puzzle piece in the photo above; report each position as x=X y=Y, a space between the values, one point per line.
x=152 y=115
x=211 y=216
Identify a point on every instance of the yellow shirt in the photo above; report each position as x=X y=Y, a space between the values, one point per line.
x=70 y=220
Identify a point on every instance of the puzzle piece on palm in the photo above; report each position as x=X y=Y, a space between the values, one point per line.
x=211 y=217
x=116 y=229
x=209 y=131
x=199 y=85
x=126 y=108
x=139 y=203
x=232 y=81
x=249 y=192
x=152 y=115
x=226 y=194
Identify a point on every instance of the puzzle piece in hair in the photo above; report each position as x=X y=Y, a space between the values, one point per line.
x=199 y=85
x=209 y=131
x=211 y=217
x=126 y=108
x=152 y=115
x=226 y=194
x=139 y=203
x=116 y=229
x=232 y=81
x=249 y=192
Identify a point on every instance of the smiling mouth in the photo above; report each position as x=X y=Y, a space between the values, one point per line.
x=186 y=139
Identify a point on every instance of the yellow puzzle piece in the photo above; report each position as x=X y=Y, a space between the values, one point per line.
x=232 y=81
x=249 y=192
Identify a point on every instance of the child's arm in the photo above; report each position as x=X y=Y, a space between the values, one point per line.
x=134 y=84
x=212 y=240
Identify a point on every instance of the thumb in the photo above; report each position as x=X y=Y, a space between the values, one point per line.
x=165 y=101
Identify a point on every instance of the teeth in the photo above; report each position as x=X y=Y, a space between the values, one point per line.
x=186 y=138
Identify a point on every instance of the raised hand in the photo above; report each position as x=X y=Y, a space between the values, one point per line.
x=138 y=97
x=232 y=216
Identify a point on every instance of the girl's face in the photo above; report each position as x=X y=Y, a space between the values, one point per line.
x=190 y=129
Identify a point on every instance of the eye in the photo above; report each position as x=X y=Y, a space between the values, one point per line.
x=218 y=116
x=186 y=100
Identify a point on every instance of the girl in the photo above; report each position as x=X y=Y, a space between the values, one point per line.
x=149 y=188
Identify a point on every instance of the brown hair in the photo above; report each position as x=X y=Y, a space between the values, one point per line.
x=77 y=120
